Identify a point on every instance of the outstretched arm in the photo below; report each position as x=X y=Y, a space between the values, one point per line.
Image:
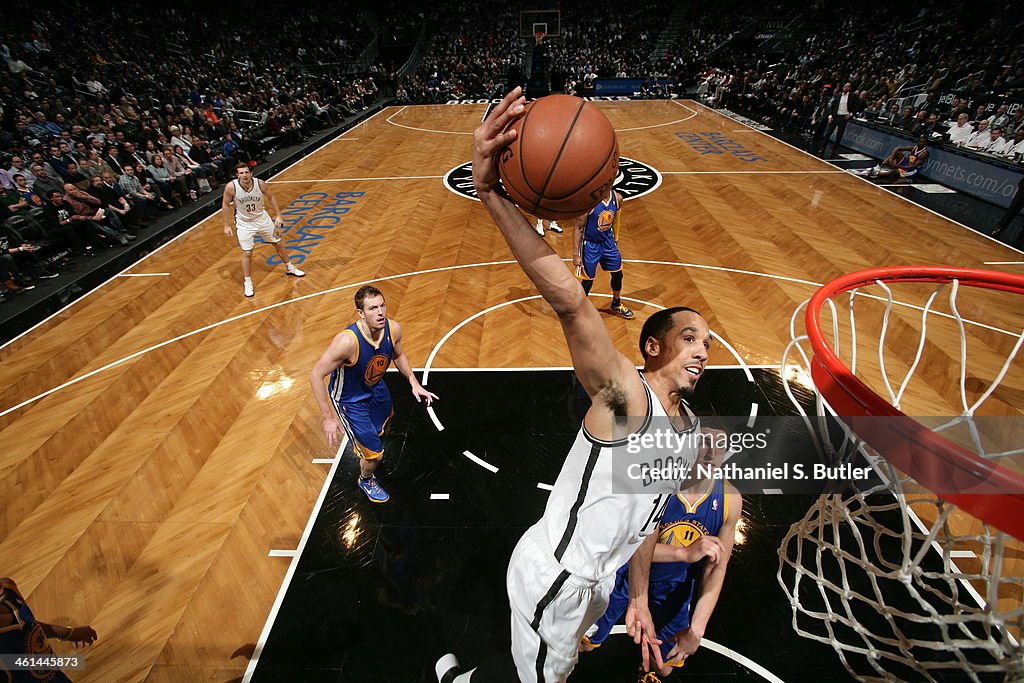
x=601 y=369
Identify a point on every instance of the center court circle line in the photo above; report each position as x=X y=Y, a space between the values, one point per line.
x=750 y=664
x=693 y=113
x=428 y=271
x=437 y=347
x=422 y=130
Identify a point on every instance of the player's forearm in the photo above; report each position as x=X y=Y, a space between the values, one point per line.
x=540 y=263
x=316 y=381
x=404 y=367
x=667 y=553
x=640 y=569
x=54 y=631
x=711 y=588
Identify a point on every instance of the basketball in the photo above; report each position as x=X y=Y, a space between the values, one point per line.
x=563 y=160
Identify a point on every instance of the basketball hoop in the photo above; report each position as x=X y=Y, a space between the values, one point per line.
x=913 y=578
x=538 y=37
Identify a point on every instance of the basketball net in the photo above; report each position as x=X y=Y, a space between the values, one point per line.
x=904 y=585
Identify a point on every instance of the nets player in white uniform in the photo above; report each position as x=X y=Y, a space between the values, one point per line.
x=563 y=569
x=251 y=219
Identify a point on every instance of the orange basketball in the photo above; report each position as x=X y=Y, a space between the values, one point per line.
x=563 y=160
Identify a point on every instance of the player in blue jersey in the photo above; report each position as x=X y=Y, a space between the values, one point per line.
x=22 y=634
x=696 y=536
x=595 y=238
x=356 y=398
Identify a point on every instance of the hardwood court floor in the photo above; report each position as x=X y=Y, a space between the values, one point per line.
x=159 y=435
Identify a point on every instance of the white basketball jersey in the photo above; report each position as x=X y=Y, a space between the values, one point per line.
x=249 y=203
x=595 y=528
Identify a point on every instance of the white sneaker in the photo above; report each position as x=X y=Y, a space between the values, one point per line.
x=540 y=228
x=555 y=227
x=247 y=285
x=292 y=270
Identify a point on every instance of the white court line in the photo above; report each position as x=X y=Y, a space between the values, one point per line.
x=282 y=553
x=545 y=487
x=254 y=660
x=751 y=172
x=440 y=496
x=753 y=413
x=424 y=130
x=437 y=347
x=617 y=130
x=1004 y=263
x=347 y=180
x=962 y=554
x=667 y=123
x=891 y=194
x=487 y=110
x=725 y=652
x=433 y=418
x=323 y=461
x=141 y=274
x=182 y=234
x=480 y=461
x=427 y=271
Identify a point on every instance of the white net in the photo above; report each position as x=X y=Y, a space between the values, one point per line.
x=903 y=585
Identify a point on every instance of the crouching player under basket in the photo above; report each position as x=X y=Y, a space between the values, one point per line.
x=696 y=535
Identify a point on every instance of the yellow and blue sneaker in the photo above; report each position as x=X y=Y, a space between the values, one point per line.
x=617 y=307
x=373 y=490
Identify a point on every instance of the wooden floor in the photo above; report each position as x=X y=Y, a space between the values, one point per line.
x=158 y=437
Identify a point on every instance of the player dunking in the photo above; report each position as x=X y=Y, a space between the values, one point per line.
x=356 y=398
x=595 y=237
x=562 y=570
x=696 y=536
x=251 y=219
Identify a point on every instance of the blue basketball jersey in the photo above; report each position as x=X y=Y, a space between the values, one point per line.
x=25 y=637
x=681 y=525
x=600 y=221
x=362 y=379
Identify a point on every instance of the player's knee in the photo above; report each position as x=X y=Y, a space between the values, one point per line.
x=617 y=281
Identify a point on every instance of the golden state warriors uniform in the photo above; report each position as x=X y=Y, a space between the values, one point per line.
x=359 y=394
x=906 y=164
x=674 y=586
x=598 y=244
x=25 y=636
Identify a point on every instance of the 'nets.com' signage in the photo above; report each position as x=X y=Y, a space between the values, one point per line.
x=989 y=181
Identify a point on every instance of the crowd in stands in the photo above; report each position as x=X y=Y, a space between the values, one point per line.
x=606 y=39
x=110 y=115
x=476 y=52
x=479 y=52
x=952 y=63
